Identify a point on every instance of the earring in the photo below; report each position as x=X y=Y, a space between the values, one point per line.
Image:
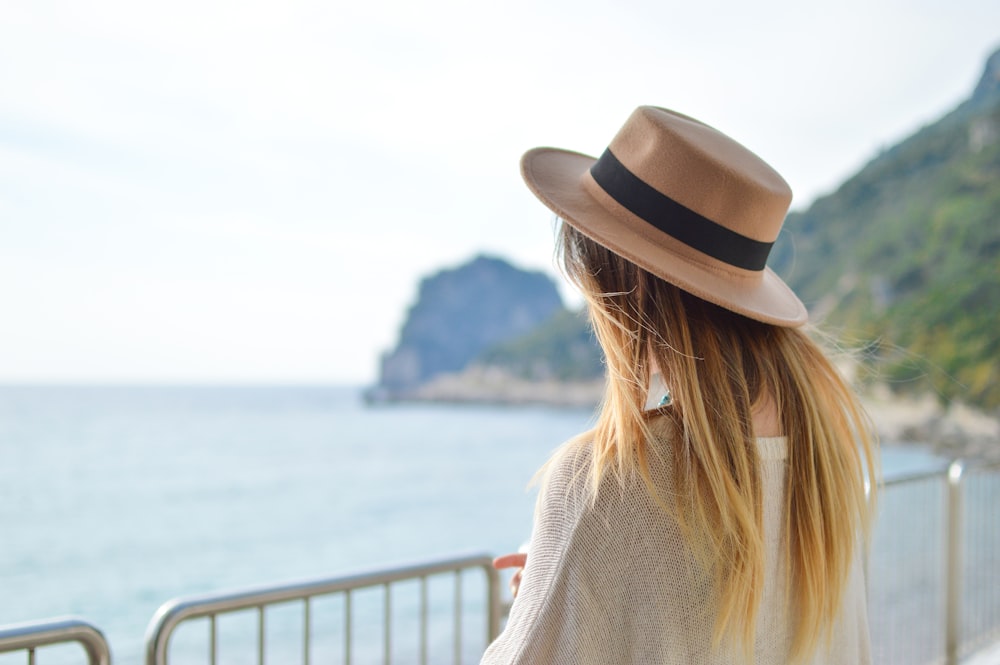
x=666 y=400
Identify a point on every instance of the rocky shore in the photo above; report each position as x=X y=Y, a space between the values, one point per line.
x=949 y=431
x=955 y=430
x=493 y=385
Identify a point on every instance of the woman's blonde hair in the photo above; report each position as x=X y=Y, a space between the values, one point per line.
x=720 y=365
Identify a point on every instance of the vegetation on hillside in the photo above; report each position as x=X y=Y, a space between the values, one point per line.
x=906 y=256
x=563 y=348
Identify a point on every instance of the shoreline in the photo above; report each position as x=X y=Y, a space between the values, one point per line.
x=955 y=430
x=950 y=431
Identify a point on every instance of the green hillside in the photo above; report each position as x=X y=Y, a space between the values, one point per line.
x=563 y=348
x=906 y=254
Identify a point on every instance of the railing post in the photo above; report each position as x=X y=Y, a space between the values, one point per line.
x=953 y=564
x=494 y=609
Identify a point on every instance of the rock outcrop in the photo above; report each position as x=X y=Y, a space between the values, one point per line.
x=459 y=313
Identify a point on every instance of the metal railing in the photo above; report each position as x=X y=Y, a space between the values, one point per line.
x=211 y=607
x=934 y=588
x=29 y=637
x=934 y=569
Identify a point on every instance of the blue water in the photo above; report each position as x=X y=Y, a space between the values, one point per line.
x=114 y=500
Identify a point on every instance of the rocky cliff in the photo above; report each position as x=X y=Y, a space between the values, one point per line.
x=458 y=314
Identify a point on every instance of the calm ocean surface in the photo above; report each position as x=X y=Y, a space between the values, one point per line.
x=114 y=500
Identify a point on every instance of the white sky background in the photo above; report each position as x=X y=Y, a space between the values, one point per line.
x=206 y=191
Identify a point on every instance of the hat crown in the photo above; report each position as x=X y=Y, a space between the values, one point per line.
x=704 y=170
x=682 y=201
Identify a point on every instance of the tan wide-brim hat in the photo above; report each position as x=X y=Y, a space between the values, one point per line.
x=683 y=201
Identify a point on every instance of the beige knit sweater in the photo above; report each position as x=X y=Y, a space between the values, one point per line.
x=614 y=583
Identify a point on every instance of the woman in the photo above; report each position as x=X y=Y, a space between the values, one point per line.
x=717 y=511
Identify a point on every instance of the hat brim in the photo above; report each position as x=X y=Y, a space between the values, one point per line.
x=556 y=177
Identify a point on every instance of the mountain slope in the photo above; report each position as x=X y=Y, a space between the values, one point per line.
x=906 y=254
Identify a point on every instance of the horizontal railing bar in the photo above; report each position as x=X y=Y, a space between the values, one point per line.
x=975 y=466
x=198 y=606
x=941 y=472
x=59 y=630
x=914 y=477
x=173 y=612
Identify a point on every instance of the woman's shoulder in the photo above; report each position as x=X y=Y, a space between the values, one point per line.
x=568 y=471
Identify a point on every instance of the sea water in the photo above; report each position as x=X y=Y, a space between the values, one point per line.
x=116 y=499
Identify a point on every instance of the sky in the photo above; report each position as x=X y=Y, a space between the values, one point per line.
x=206 y=191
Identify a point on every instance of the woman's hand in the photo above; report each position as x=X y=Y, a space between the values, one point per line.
x=515 y=560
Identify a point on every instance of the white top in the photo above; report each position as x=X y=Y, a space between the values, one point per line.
x=615 y=583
